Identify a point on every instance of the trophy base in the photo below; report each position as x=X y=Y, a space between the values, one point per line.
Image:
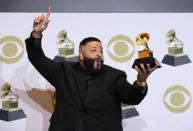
x=12 y=114
x=176 y=60
x=148 y=60
x=128 y=112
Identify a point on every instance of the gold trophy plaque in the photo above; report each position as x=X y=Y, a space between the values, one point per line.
x=145 y=56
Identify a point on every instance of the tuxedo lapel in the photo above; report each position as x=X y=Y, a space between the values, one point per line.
x=81 y=86
x=80 y=83
x=75 y=89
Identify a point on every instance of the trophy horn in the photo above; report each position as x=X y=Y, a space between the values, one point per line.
x=142 y=39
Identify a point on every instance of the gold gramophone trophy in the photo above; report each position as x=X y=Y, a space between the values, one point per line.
x=175 y=54
x=10 y=110
x=145 y=56
x=65 y=48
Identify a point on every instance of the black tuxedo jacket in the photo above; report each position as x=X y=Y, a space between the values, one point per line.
x=96 y=109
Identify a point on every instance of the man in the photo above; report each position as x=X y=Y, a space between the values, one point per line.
x=88 y=93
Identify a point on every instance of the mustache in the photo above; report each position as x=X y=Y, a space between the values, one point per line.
x=98 y=59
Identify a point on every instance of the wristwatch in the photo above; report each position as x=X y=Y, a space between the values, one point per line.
x=141 y=83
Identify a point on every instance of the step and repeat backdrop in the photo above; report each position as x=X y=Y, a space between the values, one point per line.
x=26 y=98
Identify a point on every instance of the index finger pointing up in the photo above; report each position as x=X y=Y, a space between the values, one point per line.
x=48 y=12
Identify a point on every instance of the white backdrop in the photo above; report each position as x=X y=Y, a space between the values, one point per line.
x=154 y=115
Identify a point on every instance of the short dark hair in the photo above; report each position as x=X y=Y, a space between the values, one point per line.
x=88 y=39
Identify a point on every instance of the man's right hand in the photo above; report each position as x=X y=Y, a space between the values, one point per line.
x=40 y=24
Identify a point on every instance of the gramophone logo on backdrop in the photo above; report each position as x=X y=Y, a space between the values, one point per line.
x=11 y=49
x=121 y=48
x=9 y=110
x=65 y=45
x=177 y=99
x=65 y=48
x=175 y=54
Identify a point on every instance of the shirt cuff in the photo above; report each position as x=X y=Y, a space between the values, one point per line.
x=140 y=88
x=35 y=41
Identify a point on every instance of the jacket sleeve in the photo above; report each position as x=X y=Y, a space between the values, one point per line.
x=128 y=93
x=45 y=66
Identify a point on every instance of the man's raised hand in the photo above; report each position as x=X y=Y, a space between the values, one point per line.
x=143 y=73
x=40 y=23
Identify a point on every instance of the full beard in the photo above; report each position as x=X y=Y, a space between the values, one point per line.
x=93 y=66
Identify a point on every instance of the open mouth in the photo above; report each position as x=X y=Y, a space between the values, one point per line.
x=98 y=61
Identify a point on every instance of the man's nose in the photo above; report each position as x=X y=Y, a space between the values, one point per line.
x=99 y=54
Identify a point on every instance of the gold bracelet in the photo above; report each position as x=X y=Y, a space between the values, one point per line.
x=141 y=83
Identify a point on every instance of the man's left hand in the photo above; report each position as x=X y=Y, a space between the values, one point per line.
x=143 y=73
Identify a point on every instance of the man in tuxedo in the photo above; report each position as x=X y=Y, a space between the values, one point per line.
x=88 y=93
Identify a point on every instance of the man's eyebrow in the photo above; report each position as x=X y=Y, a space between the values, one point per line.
x=96 y=47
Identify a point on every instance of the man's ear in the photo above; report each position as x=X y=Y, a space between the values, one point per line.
x=81 y=56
